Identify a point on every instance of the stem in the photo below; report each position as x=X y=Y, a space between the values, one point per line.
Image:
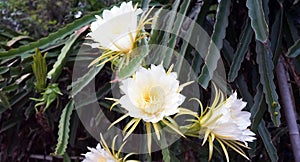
x=288 y=107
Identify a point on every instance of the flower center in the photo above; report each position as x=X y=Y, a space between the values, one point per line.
x=153 y=94
x=147 y=97
x=101 y=159
x=153 y=100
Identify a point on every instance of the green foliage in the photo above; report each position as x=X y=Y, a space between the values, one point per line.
x=38 y=18
x=130 y=68
x=4 y=103
x=240 y=54
x=266 y=137
x=39 y=68
x=258 y=21
x=175 y=30
x=216 y=43
x=266 y=66
x=81 y=82
x=49 y=41
x=165 y=149
x=61 y=60
x=49 y=95
x=294 y=50
x=63 y=132
x=247 y=36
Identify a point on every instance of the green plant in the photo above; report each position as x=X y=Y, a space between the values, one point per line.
x=257 y=40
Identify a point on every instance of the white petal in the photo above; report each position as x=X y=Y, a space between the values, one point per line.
x=96 y=154
x=229 y=122
x=117 y=28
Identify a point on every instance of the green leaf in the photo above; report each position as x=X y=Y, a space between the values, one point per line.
x=73 y=129
x=258 y=21
x=66 y=158
x=265 y=6
x=240 y=80
x=162 y=28
x=63 y=129
x=50 y=94
x=173 y=156
x=265 y=67
x=8 y=32
x=228 y=52
x=81 y=82
x=164 y=146
x=188 y=27
x=241 y=51
x=276 y=36
x=59 y=64
x=4 y=101
x=196 y=63
x=216 y=43
x=10 y=88
x=175 y=31
x=3 y=70
x=130 y=68
x=294 y=50
x=23 y=95
x=291 y=27
x=39 y=68
x=156 y=26
x=16 y=39
x=258 y=108
x=15 y=71
x=24 y=51
x=158 y=36
x=244 y=89
x=267 y=140
x=88 y=99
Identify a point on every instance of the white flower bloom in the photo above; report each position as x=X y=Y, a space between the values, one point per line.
x=151 y=94
x=98 y=154
x=117 y=29
x=224 y=122
x=227 y=121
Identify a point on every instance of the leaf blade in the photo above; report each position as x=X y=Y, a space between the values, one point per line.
x=216 y=43
x=175 y=31
x=54 y=73
x=258 y=21
x=266 y=137
x=63 y=132
x=294 y=50
x=265 y=69
x=81 y=82
x=130 y=68
x=24 y=51
x=241 y=51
